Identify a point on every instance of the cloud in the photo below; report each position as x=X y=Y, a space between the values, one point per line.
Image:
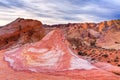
x=59 y=11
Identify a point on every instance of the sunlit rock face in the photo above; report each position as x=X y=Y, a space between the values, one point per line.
x=104 y=34
x=50 y=54
x=94 y=41
x=52 y=57
x=20 y=32
x=110 y=40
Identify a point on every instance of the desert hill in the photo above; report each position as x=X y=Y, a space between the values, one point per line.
x=74 y=51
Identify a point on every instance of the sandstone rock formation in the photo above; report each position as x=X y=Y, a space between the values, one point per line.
x=110 y=40
x=94 y=41
x=19 y=32
x=88 y=33
x=52 y=56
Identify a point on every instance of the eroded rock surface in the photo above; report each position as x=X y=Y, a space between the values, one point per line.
x=94 y=41
x=52 y=56
x=110 y=40
x=91 y=34
x=19 y=32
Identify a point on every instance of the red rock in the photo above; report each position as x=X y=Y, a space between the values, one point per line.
x=108 y=67
x=79 y=32
x=65 y=65
x=110 y=40
x=51 y=54
x=94 y=33
x=101 y=26
x=98 y=40
x=19 y=32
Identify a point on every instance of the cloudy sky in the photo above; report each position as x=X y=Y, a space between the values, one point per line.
x=59 y=11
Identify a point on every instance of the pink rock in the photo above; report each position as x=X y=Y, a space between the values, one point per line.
x=52 y=56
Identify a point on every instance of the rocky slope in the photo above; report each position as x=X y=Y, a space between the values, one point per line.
x=19 y=32
x=92 y=33
x=56 y=60
x=27 y=54
x=94 y=40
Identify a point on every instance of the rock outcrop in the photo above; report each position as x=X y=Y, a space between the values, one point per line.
x=26 y=54
x=50 y=54
x=56 y=60
x=109 y=40
x=88 y=33
x=19 y=32
x=94 y=41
